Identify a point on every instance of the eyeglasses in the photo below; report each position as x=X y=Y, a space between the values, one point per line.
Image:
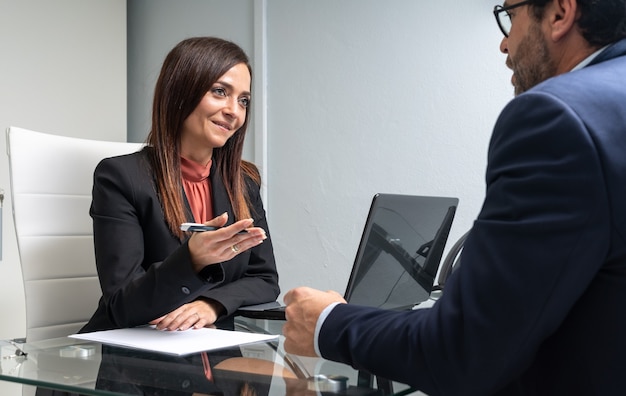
x=503 y=16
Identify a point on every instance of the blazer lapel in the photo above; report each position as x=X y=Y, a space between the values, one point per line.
x=221 y=203
x=613 y=51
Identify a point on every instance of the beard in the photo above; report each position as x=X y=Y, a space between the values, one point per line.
x=532 y=63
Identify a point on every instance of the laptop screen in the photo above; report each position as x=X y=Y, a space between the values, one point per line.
x=400 y=250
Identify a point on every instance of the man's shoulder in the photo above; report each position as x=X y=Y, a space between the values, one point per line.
x=596 y=79
x=597 y=85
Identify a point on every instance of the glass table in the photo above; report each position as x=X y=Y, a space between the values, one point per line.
x=91 y=368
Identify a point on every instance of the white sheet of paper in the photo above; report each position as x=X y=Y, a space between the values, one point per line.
x=174 y=342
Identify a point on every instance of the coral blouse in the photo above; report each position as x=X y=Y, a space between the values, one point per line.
x=197 y=187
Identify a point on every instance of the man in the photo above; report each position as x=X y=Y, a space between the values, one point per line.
x=538 y=305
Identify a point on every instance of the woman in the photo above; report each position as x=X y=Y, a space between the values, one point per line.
x=190 y=171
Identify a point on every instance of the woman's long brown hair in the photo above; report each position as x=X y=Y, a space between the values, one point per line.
x=188 y=72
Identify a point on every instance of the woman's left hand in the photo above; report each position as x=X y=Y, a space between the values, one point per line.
x=208 y=248
x=196 y=314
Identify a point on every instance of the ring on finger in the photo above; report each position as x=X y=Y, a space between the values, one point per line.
x=235 y=248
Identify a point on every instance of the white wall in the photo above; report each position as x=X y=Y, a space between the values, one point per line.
x=361 y=96
x=369 y=96
x=62 y=71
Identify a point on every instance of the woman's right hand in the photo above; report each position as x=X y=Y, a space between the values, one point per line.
x=212 y=247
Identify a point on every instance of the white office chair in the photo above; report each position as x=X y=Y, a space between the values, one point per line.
x=51 y=181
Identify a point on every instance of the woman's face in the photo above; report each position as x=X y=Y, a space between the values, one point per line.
x=220 y=113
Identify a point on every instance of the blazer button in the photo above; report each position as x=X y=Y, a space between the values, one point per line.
x=185 y=290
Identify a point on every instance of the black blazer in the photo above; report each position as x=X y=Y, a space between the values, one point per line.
x=144 y=270
x=537 y=305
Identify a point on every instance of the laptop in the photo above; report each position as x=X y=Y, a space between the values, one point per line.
x=398 y=256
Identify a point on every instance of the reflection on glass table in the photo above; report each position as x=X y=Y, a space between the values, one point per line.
x=90 y=368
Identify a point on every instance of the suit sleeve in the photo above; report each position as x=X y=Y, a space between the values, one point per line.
x=524 y=265
x=256 y=277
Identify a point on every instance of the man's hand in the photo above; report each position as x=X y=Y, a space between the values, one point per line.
x=304 y=306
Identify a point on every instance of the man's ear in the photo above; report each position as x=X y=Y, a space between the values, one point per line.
x=562 y=17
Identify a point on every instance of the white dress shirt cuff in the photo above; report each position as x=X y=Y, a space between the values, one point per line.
x=318 y=326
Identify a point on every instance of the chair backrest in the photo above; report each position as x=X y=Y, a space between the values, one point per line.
x=451 y=261
x=51 y=182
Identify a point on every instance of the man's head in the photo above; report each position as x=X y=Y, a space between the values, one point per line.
x=601 y=22
x=544 y=38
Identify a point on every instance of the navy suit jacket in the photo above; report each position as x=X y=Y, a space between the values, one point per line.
x=538 y=305
x=145 y=271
